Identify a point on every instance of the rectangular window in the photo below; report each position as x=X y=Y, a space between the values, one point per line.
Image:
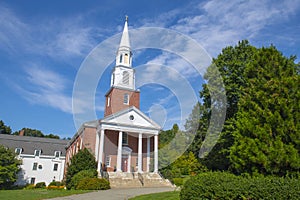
x=37 y=152
x=18 y=151
x=126 y=99
x=124 y=138
x=107 y=161
x=32 y=180
x=57 y=154
x=34 y=166
x=137 y=162
x=55 y=167
x=108 y=101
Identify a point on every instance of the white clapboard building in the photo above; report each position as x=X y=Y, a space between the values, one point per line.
x=43 y=159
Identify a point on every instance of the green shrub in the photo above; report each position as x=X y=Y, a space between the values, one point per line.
x=40 y=185
x=178 y=181
x=91 y=173
x=55 y=187
x=93 y=184
x=55 y=183
x=222 y=185
x=29 y=187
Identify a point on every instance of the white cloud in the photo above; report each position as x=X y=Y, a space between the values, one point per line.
x=45 y=88
x=63 y=38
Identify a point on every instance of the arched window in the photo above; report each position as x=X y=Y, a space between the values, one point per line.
x=126 y=78
x=126 y=58
x=126 y=99
x=121 y=56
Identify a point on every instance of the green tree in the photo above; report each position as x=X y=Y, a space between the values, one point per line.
x=267 y=133
x=230 y=66
x=9 y=167
x=35 y=133
x=83 y=160
x=4 y=129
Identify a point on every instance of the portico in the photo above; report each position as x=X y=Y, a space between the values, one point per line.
x=136 y=145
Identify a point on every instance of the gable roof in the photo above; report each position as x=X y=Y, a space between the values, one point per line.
x=131 y=117
x=29 y=144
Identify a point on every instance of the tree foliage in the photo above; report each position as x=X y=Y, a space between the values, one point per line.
x=261 y=130
x=9 y=167
x=4 y=129
x=35 y=133
x=83 y=160
x=267 y=133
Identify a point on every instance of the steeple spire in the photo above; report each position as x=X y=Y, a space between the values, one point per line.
x=124 y=55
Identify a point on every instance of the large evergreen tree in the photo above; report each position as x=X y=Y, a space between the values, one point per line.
x=267 y=133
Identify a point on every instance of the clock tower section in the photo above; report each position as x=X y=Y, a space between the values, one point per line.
x=122 y=93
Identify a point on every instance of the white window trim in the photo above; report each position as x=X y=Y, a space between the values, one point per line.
x=16 y=151
x=37 y=153
x=59 y=153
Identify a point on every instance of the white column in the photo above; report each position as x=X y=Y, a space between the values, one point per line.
x=101 y=147
x=97 y=146
x=129 y=163
x=156 y=153
x=140 y=148
x=119 y=158
x=148 y=154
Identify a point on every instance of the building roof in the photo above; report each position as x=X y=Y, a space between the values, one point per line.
x=29 y=144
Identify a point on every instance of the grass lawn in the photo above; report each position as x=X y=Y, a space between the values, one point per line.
x=36 y=194
x=159 y=196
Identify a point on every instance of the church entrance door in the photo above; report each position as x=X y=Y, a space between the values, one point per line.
x=124 y=163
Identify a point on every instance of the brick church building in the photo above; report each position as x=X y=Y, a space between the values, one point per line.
x=125 y=141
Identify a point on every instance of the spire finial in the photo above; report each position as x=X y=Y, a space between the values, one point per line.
x=126 y=18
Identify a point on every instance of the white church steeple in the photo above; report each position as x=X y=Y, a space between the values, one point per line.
x=124 y=54
x=123 y=75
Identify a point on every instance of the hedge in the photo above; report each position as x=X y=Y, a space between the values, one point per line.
x=93 y=184
x=222 y=185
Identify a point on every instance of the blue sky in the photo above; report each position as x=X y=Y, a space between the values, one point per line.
x=44 y=43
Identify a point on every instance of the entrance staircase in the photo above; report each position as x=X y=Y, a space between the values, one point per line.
x=137 y=180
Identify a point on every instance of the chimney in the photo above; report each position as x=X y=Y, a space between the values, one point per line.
x=21 y=133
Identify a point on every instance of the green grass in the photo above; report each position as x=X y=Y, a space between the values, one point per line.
x=36 y=194
x=159 y=196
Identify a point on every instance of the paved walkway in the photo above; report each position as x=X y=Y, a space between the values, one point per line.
x=115 y=194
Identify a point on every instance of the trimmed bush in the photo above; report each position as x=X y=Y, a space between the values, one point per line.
x=93 y=184
x=91 y=173
x=40 y=185
x=222 y=185
x=55 y=187
x=29 y=187
x=56 y=183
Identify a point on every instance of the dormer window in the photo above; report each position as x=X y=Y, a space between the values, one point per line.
x=18 y=151
x=37 y=152
x=57 y=154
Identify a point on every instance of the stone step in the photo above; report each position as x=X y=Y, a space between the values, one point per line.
x=127 y=180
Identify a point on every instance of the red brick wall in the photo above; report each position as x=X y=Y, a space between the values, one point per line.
x=116 y=100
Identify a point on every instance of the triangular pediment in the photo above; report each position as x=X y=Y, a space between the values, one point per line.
x=131 y=117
